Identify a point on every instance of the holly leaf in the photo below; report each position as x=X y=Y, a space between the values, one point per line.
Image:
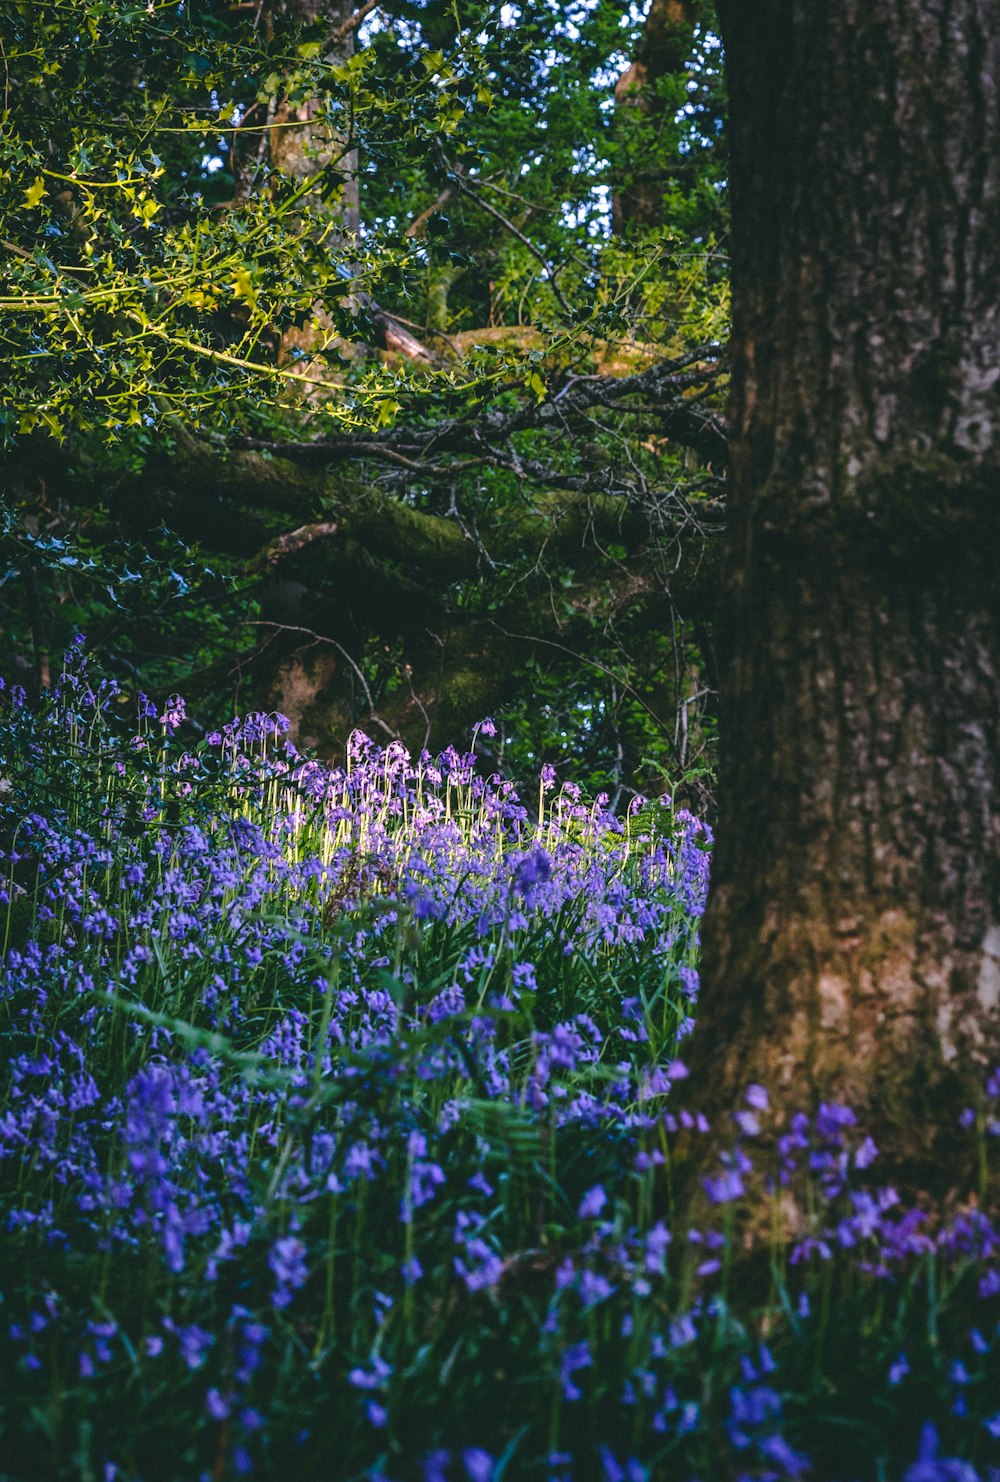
x=34 y=193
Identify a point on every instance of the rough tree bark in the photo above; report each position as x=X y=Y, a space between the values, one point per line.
x=852 y=939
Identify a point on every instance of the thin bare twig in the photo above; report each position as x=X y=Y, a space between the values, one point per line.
x=591 y=664
x=408 y=673
x=353 y=22
x=322 y=638
x=463 y=185
x=6 y=75
x=418 y=223
x=681 y=419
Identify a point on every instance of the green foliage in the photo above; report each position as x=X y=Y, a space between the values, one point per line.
x=140 y=294
x=218 y=220
x=133 y=290
x=130 y=593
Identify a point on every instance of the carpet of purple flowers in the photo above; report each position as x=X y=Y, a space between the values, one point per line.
x=336 y=1122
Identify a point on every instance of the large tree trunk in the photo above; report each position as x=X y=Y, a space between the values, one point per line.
x=852 y=940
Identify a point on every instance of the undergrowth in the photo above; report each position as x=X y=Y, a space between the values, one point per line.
x=335 y=1142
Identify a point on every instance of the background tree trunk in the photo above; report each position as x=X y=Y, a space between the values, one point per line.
x=852 y=940
x=661 y=56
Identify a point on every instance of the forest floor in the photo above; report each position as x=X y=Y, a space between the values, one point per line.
x=337 y=1110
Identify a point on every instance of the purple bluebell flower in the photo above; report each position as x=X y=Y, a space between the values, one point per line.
x=435 y=1466
x=478 y=1464
x=534 y=869
x=372 y=1378
x=216 y=1405
x=724 y=1187
x=287 y=1262
x=592 y=1203
x=575 y=1358
x=929 y=1467
x=195 y=1341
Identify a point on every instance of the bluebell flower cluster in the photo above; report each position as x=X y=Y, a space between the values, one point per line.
x=336 y=1130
